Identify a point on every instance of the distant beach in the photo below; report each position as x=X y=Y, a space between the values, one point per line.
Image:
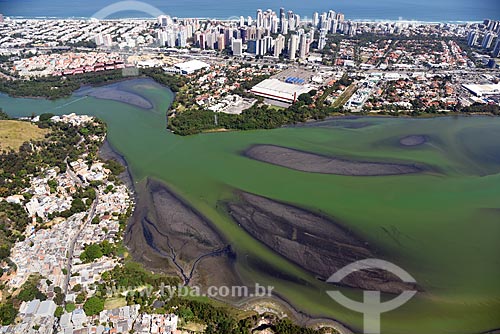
x=445 y=11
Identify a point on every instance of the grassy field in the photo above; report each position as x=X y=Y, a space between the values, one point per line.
x=14 y=133
x=194 y=327
x=113 y=303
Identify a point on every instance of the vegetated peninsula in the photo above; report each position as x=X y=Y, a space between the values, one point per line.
x=56 y=87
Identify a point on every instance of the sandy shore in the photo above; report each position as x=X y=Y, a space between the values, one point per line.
x=316 y=163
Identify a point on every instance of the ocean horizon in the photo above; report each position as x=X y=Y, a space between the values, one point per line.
x=450 y=11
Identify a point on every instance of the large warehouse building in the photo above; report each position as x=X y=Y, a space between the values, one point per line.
x=191 y=66
x=483 y=90
x=274 y=89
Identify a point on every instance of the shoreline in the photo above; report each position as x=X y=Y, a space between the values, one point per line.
x=352 y=116
x=302 y=318
x=299 y=317
x=107 y=152
x=281 y=304
x=226 y=19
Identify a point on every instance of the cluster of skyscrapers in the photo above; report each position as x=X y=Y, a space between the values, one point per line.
x=269 y=33
x=485 y=36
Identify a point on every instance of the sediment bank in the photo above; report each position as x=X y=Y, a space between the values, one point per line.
x=314 y=242
x=316 y=163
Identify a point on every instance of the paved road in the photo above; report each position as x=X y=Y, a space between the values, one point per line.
x=73 y=243
x=72 y=174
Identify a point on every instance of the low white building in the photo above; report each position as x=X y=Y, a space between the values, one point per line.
x=46 y=308
x=191 y=66
x=275 y=89
x=483 y=90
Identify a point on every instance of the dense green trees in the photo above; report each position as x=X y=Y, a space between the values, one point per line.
x=259 y=116
x=29 y=290
x=91 y=252
x=174 y=82
x=3 y=115
x=81 y=297
x=13 y=222
x=45 y=117
x=114 y=166
x=56 y=87
x=93 y=306
x=59 y=298
x=482 y=108
x=82 y=200
x=58 y=312
x=222 y=320
x=7 y=314
x=4 y=252
x=96 y=251
x=70 y=307
x=134 y=275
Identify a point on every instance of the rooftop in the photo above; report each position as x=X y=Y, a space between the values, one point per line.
x=480 y=90
x=191 y=66
x=281 y=91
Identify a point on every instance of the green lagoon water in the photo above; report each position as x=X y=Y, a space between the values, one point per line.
x=443 y=227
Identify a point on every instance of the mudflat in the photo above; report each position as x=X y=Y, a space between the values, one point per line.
x=413 y=140
x=115 y=92
x=312 y=241
x=168 y=235
x=316 y=163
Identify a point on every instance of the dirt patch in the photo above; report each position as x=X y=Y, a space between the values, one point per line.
x=168 y=235
x=316 y=163
x=312 y=241
x=414 y=140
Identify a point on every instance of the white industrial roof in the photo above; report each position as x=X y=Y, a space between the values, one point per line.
x=275 y=89
x=481 y=90
x=31 y=307
x=46 y=308
x=192 y=66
